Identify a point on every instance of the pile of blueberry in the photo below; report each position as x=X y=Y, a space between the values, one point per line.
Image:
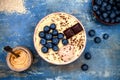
x=107 y=10
x=50 y=38
x=87 y=56
x=97 y=39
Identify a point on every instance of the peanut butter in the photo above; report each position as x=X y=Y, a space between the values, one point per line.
x=19 y=63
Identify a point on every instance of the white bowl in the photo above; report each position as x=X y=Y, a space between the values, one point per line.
x=59 y=19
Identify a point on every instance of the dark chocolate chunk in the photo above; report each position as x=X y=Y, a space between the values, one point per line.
x=77 y=28
x=68 y=33
x=73 y=30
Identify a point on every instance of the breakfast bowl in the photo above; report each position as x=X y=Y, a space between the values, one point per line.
x=59 y=38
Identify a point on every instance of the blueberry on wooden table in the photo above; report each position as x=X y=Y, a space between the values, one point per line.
x=91 y=33
x=53 y=26
x=105 y=36
x=64 y=41
x=44 y=49
x=97 y=40
x=84 y=67
x=87 y=56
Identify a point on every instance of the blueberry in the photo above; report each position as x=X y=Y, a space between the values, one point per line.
x=98 y=12
x=114 y=8
x=55 y=48
x=48 y=36
x=117 y=0
x=105 y=0
x=118 y=19
x=112 y=15
x=64 y=41
x=60 y=36
x=87 y=55
x=111 y=1
x=104 y=4
x=99 y=2
x=95 y=8
x=105 y=36
x=46 y=29
x=43 y=41
x=107 y=20
x=118 y=5
x=41 y=34
x=54 y=32
x=55 y=40
x=84 y=67
x=97 y=39
x=91 y=33
x=108 y=7
x=105 y=15
x=53 y=26
x=101 y=17
x=108 y=12
x=112 y=21
x=49 y=45
x=102 y=9
x=117 y=12
x=44 y=49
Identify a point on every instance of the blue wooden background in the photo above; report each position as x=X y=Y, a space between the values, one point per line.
x=17 y=29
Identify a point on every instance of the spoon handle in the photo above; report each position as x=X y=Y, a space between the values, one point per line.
x=9 y=49
x=16 y=55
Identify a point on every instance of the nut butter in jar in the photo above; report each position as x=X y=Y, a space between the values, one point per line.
x=22 y=62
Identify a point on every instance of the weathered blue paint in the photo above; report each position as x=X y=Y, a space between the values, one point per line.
x=17 y=29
